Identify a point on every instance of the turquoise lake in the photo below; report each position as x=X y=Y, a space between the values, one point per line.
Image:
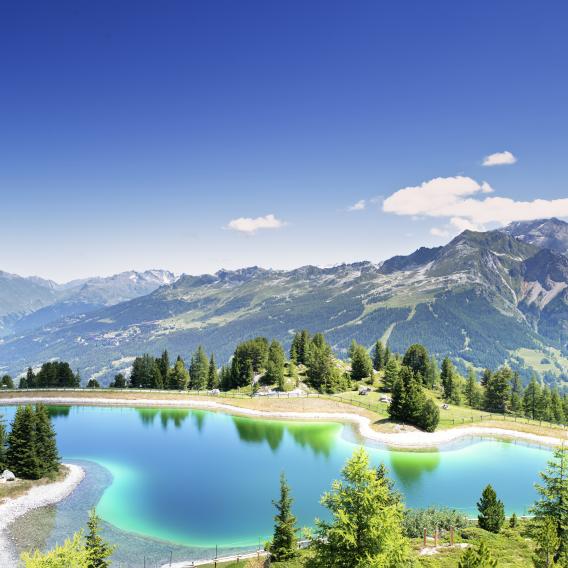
x=186 y=481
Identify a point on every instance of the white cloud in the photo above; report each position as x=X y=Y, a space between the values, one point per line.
x=439 y=232
x=458 y=200
x=499 y=159
x=359 y=206
x=250 y=226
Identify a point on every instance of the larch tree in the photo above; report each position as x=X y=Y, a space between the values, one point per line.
x=552 y=506
x=284 y=543
x=98 y=551
x=365 y=529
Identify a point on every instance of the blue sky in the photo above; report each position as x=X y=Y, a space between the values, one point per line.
x=160 y=134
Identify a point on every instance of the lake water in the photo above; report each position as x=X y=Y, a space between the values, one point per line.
x=184 y=481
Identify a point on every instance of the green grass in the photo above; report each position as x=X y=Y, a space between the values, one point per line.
x=511 y=548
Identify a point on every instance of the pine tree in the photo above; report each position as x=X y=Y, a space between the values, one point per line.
x=164 y=366
x=429 y=416
x=516 y=401
x=383 y=476
x=432 y=377
x=531 y=399
x=417 y=358
x=545 y=535
x=361 y=364
x=448 y=379
x=497 y=391
x=199 y=370
x=178 y=377
x=396 y=406
x=553 y=502
x=473 y=394
x=365 y=526
x=22 y=454
x=284 y=542
x=293 y=374
x=513 y=521
x=275 y=365
x=378 y=356
x=119 y=382
x=479 y=557
x=98 y=551
x=45 y=443
x=213 y=375
x=392 y=370
x=491 y=511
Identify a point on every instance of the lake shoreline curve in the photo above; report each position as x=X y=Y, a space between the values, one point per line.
x=36 y=497
x=411 y=439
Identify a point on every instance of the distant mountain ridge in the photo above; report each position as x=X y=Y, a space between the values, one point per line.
x=485 y=298
x=28 y=302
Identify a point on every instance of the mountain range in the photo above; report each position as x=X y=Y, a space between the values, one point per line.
x=484 y=299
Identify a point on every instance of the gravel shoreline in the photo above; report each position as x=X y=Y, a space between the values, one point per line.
x=410 y=439
x=36 y=497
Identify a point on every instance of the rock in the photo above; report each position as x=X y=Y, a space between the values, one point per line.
x=7 y=475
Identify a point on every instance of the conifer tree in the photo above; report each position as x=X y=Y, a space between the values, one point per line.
x=553 y=503
x=491 y=511
x=284 y=543
x=378 y=356
x=164 y=366
x=213 y=374
x=98 y=551
x=392 y=370
x=293 y=374
x=3 y=440
x=119 y=382
x=178 y=376
x=365 y=527
x=199 y=370
x=479 y=557
x=417 y=358
x=21 y=455
x=45 y=442
x=397 y=404
x=275 y=365
x=361 y=364
x=516 y=401
x=545 y=535
x=531 y=399
x=473 y=394
x=449 y=380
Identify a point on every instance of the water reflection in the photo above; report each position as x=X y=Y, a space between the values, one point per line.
x=320 y=438
x=409 y=467
x=176 y=416
x=58 y=411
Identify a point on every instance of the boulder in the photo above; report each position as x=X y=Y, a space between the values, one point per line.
x=7 y=475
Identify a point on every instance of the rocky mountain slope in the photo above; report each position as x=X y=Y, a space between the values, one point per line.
x=29 y=303
x=484 y=298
